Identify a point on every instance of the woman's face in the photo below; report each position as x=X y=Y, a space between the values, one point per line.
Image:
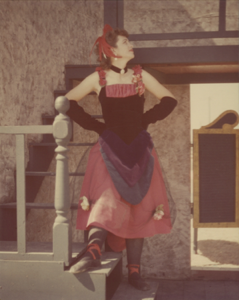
x=123 y=48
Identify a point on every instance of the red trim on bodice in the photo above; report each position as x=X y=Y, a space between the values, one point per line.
x=120 y=90
x=123 y=90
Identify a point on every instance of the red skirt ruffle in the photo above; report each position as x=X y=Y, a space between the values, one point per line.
x=111 y=212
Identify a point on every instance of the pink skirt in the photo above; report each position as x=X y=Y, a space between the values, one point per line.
x=110 y=211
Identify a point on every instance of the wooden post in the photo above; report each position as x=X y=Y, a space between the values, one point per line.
x=21 y=194
x=62 y=241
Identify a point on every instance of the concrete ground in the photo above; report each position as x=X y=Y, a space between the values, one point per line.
x=181 y=290
x=216 y=265
x=197 y=290
x=215 y=271
x=218 y=249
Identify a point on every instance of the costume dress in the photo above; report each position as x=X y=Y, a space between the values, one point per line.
x=123 y=180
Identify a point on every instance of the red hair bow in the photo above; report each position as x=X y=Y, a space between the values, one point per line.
x=104 y=47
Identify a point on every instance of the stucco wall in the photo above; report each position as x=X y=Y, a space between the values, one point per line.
x=232 y=12
x=168 y=256
x=175 y=16
x=39 y=39
x=170 y=16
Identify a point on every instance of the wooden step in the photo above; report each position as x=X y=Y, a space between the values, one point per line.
x=127 y=292
x=29 y=279
x=51 y=118
x=34 y=205
x=36 y=251
x=35 y=173
x=39 y=247
x=55 y=145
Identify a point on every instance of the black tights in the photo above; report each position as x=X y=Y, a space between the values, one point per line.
x=97 y=236
x=134 y=247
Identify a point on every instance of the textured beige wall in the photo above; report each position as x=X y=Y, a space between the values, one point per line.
x=170 y=16
x=39 y=38
x=232 y=11
x=168 y=256
x=164 y=16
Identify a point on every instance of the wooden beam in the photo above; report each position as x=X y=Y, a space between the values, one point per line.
x=222 y=16
x=120 y=14
x=110 y=13
x=21 y=194
x=114 y=13
x=160 y=76
x=201 y=78
x=77 y=72
x=188 y=55
x=167 y=78
x=184 y=35
x=188 y=78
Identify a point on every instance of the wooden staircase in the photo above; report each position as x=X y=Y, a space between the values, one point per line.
x=40 y=270
x=40 y=157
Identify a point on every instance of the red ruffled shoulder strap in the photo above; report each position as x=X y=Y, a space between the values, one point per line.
x=102 y=74
x=137 y=79
x=137 y=70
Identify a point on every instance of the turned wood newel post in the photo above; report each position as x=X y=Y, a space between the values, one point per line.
x=62 y=228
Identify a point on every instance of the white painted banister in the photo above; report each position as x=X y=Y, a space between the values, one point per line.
x=20 y=132
x=62 y=131
x=21 y=194
x=38 y=129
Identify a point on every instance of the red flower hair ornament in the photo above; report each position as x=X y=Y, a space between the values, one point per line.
x=104 y=47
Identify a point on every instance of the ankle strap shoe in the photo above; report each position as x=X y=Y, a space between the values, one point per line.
x=88 y=261
x=135 y=279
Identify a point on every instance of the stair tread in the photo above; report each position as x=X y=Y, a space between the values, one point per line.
x=36 y=173
x=127 y=292
x=53 y=116
x=93 y=116
x=60 y=91
x=48 y=117
x=55 y=145
x=40 y=247
x=35 y=205
x=108 y=261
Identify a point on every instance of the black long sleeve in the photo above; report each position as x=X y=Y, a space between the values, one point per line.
x=159 y=111
x=77 y=114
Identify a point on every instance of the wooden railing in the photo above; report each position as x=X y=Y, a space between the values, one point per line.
x=62 y=244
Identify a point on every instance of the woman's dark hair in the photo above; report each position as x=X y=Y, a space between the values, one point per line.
x=111 y=38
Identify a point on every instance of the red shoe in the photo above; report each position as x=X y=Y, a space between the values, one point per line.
x=88 y=261
x=135 y=279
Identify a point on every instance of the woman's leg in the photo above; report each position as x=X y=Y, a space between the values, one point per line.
x=134 y=249
x=91 y=257
x=97 y=235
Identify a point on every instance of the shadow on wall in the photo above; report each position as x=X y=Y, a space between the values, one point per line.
x=223 y=252
x=172 y=17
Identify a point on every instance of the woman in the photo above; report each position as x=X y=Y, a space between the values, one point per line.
x=123 y=197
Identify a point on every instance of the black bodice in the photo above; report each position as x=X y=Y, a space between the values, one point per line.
x=123 y=115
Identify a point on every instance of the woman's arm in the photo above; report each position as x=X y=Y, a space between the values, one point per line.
x=154 y=87
x=167 y=101
x=76 y=112
x=88 y=85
